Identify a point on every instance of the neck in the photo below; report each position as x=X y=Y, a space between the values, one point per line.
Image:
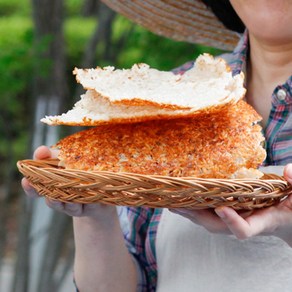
x=270 y=63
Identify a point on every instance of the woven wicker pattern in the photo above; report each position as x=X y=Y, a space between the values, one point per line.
x=129 y=189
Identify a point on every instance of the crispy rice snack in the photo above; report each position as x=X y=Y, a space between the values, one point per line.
x=142 y=93
x=223 y=144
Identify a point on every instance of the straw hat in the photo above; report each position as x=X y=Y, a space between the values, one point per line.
x=182 y=20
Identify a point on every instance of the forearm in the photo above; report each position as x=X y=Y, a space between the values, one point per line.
x=102 y=261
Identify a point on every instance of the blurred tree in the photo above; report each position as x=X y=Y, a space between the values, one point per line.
x=14 y=61
x=102 y=34
x=34 y=267
x=43 y=233
x=90 y=7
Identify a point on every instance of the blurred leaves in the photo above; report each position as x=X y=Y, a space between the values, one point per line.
x=13 y=7
x=16 y=65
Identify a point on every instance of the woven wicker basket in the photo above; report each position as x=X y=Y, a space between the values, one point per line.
x=130 y=189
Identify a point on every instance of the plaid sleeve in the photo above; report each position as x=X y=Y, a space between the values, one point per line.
x=140 y=240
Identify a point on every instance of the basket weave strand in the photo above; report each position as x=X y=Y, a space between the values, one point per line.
x=129 y=189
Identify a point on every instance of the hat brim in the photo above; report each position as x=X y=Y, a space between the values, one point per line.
x=187 y=20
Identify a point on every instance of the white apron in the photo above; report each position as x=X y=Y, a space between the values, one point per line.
x=189 y=258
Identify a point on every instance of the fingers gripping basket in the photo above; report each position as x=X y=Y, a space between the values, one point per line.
x=130 y=189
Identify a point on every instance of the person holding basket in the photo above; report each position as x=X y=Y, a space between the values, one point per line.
x=202 y=250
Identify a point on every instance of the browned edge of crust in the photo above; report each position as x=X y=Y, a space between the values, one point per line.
x=90 y=122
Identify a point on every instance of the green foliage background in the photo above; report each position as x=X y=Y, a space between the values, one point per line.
x=17 y=58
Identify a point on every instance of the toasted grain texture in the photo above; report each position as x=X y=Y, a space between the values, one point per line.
x=214 y=145
x=107 y=113
x=143 y=93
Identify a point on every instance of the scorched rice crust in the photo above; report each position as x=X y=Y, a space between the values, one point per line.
x=213 y=145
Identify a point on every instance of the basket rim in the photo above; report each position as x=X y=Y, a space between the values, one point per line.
x=53 y=163
x=131 y=189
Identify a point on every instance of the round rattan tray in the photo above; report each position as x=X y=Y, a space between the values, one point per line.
x=128 y=189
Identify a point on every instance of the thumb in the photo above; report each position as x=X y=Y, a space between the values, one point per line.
x=288 y=172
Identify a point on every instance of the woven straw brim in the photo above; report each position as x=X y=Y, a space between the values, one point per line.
x=186 y=20
x=126 y=189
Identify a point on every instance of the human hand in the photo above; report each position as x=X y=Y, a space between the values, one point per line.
x=71 y=209
x=275 y=220
x=41 y=152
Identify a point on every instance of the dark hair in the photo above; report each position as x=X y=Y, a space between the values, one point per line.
x=226 y=14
